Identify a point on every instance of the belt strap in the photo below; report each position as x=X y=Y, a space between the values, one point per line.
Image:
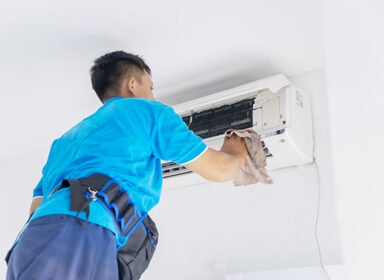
x=99 y=186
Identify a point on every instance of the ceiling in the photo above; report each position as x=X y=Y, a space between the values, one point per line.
x=193 y=48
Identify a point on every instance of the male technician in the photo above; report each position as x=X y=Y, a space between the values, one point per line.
x=125 y=138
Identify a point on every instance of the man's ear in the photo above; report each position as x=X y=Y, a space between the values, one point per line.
x=130 y=85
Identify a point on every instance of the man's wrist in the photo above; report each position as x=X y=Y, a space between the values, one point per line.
x=243 y=159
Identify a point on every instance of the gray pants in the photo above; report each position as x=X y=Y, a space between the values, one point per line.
x=58 y=247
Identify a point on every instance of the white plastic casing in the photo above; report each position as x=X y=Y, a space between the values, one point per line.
x=282 y=116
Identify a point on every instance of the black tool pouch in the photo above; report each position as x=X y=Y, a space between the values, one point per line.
x=134 y=257
x=138 y=230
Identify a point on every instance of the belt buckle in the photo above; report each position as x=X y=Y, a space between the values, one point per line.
x=93 y=193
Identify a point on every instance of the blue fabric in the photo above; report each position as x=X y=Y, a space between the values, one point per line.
x=58 y=247
x=126 y=139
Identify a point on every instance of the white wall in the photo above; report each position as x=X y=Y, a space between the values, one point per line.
x=19 y=175
x=354 y=47
x=302 y=273
x=211 y=230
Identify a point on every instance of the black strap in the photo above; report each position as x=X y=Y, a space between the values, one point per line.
x=84 y=207
x=80 y=190
x=84 y=190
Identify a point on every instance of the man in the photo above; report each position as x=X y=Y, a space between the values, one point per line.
x=125 y=138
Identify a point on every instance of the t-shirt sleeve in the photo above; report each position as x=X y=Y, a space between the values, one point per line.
x=38 y=190
x=172 y=140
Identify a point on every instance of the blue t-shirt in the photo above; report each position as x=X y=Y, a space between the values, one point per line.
x=126 y=139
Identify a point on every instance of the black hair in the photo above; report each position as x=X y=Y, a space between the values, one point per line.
x=109 y=70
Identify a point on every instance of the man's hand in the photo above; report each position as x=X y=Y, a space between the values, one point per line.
x=235 y=146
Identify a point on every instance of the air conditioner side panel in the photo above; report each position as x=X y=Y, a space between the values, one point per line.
x=295 y=145
x=301 y=132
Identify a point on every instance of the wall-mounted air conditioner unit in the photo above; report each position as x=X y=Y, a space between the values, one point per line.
x=279 y=112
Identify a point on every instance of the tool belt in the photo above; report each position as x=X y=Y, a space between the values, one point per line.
x=138 y=232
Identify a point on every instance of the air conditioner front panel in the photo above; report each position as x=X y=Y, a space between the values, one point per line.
x=183 y=180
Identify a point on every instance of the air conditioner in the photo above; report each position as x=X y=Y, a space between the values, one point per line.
x=278 y=111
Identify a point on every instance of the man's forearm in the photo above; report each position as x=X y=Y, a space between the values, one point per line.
x=233 y=164
x=35 y=203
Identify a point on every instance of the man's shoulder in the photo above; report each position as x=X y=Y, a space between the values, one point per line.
x=143 y=104
x=144 y=101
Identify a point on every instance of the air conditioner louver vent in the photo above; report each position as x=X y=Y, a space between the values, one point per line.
x=216 y=121
x=266 y=151
x=171 y=169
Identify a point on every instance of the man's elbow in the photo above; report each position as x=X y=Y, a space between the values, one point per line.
x=36 y=201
